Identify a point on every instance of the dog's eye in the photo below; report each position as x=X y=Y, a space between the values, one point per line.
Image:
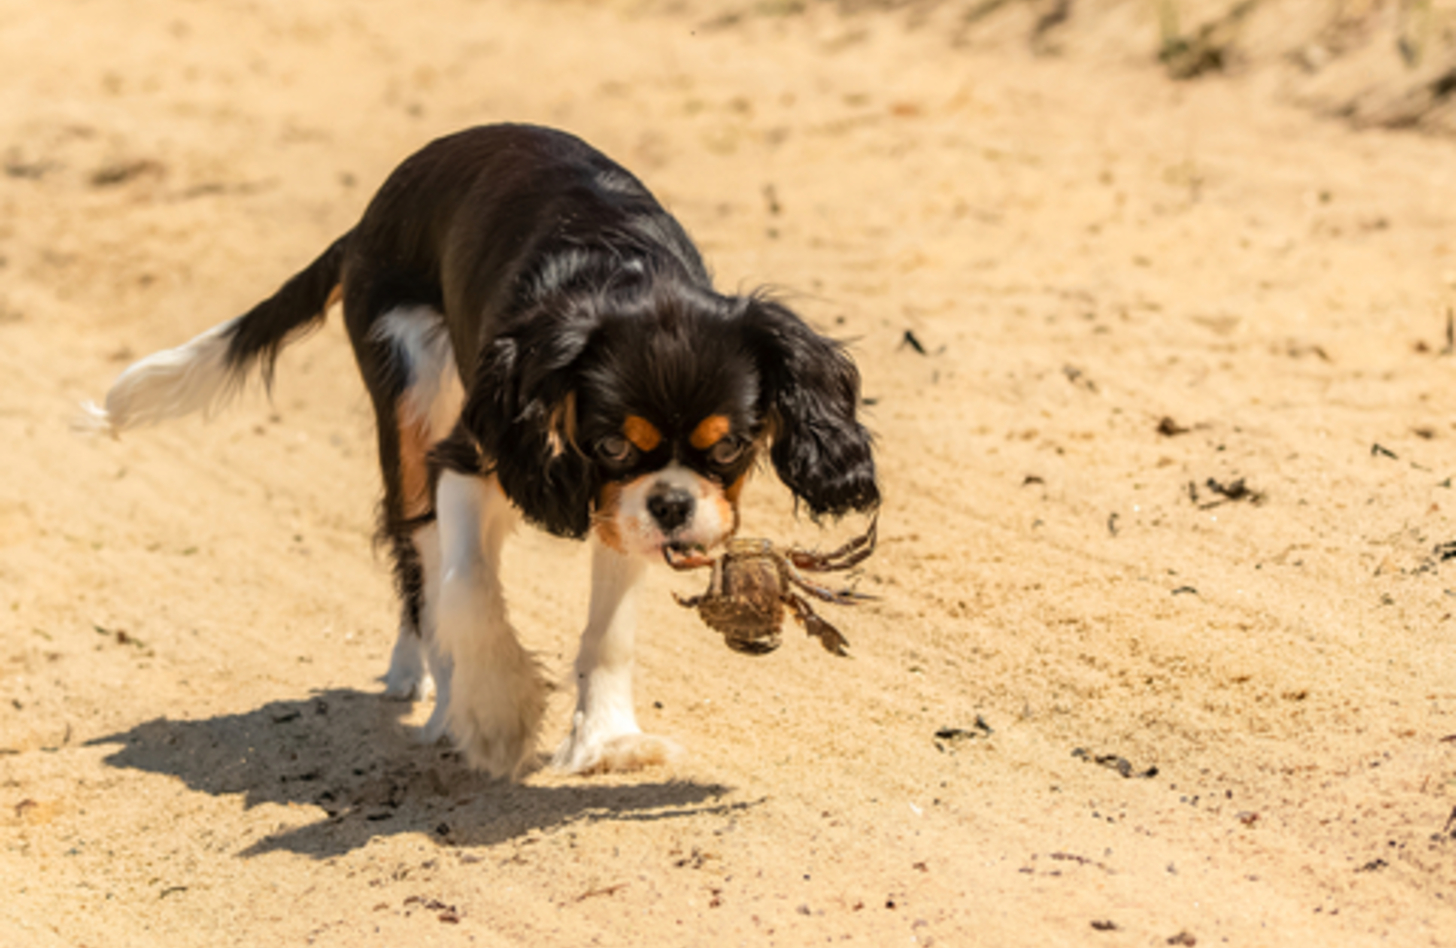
x=727 y=450
x=614 y=449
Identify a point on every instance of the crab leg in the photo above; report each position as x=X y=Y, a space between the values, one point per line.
x=715 y=585
x=854 y=552
x=840 y=597
x=827 y=634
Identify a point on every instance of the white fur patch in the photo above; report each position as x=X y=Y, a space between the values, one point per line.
x=168 y=384
x=434 y=394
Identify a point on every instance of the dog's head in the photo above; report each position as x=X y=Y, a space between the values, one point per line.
x=642 y=411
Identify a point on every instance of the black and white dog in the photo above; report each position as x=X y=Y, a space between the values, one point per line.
x=540 y=339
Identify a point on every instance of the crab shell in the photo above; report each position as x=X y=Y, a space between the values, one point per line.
x=746 y=599
x=753 y=583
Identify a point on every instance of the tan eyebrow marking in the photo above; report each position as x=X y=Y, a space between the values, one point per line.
x=641 y=432
x=709 y=432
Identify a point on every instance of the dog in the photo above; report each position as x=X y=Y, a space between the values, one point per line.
x=540 y=339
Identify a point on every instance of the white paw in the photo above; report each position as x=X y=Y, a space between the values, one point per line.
x=493 y=713
x=437 y=727
x=620 y=753
x=405 y=680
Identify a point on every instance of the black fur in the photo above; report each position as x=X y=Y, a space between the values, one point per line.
x=295 y=309
x=820 y=450
x=673 y=354
x=518 y=414
x=572 y=299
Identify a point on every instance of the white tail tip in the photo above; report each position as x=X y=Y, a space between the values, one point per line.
x=194 y=377
x=93 y=420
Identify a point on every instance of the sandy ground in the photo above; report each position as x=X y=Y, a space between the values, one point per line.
x=1184 y=712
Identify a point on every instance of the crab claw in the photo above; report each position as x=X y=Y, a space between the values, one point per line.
x=833 y=641
x=853 y=553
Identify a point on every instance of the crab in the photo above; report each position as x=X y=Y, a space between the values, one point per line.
x=752 y=582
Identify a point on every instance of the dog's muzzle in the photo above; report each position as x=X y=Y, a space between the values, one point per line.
x=671 y=507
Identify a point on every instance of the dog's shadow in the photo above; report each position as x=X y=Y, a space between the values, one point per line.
x=345 y=753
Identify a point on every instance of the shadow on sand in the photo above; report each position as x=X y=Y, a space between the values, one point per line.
x=345 y=752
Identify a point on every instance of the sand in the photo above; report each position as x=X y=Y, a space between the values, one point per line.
x=1165 y=413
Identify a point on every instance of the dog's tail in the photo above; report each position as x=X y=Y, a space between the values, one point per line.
x=204 y=373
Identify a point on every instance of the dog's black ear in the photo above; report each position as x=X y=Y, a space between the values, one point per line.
x=811 y=392
x=522 y=412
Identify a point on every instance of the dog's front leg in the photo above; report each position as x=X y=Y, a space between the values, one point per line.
x=604 y=731
x=497 y=692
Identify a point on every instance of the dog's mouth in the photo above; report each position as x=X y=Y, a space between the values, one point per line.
x=684 y=556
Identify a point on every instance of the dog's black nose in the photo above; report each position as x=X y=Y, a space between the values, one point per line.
x=670 y=507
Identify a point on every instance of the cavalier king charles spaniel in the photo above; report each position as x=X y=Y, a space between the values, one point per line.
x=540 y=339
